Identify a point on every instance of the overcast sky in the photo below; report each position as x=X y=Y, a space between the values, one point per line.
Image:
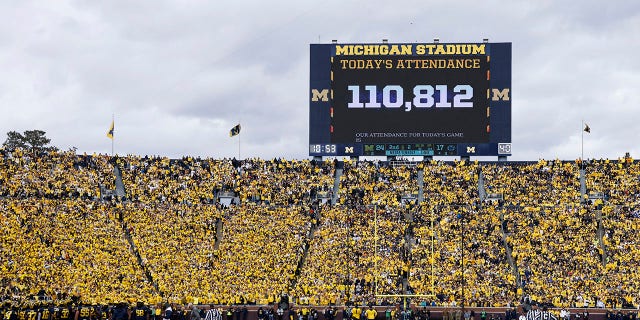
x=179 y=74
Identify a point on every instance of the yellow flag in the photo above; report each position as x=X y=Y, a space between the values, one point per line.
x=110 y=132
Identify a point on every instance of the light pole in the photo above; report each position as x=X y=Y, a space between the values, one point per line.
x=461 y=210
x=375 y=248
x=433 y=259
x=462 y=257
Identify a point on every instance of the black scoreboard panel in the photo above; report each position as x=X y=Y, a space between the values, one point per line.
x=402 y=105
x=410 y=99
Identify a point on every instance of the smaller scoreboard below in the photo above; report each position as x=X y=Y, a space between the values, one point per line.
x=416 y=149
x=410 y=99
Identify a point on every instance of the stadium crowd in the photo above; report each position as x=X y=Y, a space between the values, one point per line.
x=459 y=230
x=366 y=183
x=555 y=238
x=69 y=248
x=171 y=239
x=341 y=263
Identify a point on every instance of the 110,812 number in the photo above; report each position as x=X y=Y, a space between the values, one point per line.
x=423 y=97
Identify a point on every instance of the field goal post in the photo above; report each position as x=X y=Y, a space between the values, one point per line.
x=375 y=254
x=404 y=297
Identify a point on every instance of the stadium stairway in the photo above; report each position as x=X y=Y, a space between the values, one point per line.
x=583 y=185
x=336 y=182
x=136 y=253
x=121 y=194
x=600 y=233
x=420 y=185
x=219 y=228
x=303 y=257
x=120 y=190
x=482 y=191
x=514 y=267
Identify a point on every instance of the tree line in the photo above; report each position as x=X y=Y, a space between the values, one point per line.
x=33 y=140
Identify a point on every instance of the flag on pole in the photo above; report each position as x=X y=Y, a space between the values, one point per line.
x=586 y=128
x=110 y=132
x=234 y=131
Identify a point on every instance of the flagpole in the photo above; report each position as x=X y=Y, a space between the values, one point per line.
x=113 y=136
x=582 y=144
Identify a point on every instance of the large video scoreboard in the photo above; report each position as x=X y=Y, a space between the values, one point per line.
x=414 y=99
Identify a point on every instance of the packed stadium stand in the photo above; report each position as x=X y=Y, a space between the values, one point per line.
x=106 y=229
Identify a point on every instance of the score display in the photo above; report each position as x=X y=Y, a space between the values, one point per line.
x=410 y=99
x=417 y=149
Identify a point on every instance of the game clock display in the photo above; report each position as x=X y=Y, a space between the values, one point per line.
x=325 y=149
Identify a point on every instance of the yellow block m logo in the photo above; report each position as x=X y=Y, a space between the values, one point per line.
x=500 y=94
x=471 y=149
x=319 y=95
x=348 y=149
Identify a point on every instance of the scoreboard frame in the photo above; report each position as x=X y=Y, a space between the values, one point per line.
x=386 y=99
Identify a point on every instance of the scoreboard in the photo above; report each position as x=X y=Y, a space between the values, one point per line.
x=410 y=99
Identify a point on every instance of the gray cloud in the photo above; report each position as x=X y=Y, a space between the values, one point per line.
x=179 y=75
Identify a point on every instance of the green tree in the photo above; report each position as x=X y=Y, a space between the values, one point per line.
x=14 y=140
x=35 y=140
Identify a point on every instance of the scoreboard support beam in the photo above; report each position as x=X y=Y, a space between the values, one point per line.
x=502 y=158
